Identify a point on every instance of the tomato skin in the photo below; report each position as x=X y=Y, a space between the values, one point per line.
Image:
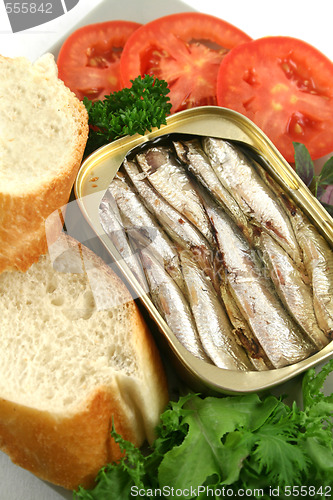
x=285 y=86
x=89 y=59
x=185 y=50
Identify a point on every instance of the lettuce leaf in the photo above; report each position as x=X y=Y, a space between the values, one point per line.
x=246 y=441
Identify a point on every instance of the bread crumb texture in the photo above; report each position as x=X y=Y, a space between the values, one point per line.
x=57 y=343
x=43 y=133
x=76 y=357
x=36 y=134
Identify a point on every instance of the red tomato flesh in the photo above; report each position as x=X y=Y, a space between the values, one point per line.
x=285 y=86
x=89 y=59
x=183 y=49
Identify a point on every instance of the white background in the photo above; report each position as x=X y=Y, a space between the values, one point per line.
x=310 y=20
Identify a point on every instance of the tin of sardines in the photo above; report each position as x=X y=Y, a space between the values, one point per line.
x=225 y=247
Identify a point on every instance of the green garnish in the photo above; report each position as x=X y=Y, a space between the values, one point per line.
x=316 y=183
x=248 y=442
x=134 y=110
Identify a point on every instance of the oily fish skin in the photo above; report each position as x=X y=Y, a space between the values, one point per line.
x=251 y=193
x=282 y=251
x=168 y=178
x=162 y=269
x=197 y=162
x=143 y=228
x=111 y=222
x=279 y=336
x=246 y=299
x=181 y=231
x=172 y=305
x=214 y=327
x=318 y=261
x=317 y=272
x=294 y=292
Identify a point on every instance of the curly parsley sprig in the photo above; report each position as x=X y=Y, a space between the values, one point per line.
x=129 y=111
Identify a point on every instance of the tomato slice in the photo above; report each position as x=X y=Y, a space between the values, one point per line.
x=89 y=59
x=183 y=49
x=285 y=86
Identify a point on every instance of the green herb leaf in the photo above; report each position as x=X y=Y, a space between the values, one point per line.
x=312 y=385
x=303 y=163
x=242 y=441
x=111 y=480
x=202 y=453
x=326 y=174
x=316 y=183
x=279 y=459
x=129 y=111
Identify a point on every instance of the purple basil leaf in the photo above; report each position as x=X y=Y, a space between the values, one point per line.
x=303 y=163
x=326 y=174
x=327 y=195
x=320 y=191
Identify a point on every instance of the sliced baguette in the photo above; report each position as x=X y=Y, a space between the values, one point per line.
x=43 y=132
x=75 y=356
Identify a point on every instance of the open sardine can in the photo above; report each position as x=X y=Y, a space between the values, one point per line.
x=98 y=171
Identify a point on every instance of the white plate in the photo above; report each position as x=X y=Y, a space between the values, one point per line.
x=257 y=18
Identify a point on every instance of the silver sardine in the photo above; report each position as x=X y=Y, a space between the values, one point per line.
x=110 y=220
x=180 y=230
x=172 y=182
x=243 y=332
x=279 y=336
x=191 y=154
x=143 y=230
x=253 y=195
x=172 y=305
x=293 y=291
x=318 y=261
x=213 y=325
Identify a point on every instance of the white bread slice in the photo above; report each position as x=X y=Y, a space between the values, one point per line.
x=75 y=354
x=43 y=132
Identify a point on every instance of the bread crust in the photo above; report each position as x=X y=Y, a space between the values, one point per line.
x=69 y=448
x=23 y=215
x=67 y=451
